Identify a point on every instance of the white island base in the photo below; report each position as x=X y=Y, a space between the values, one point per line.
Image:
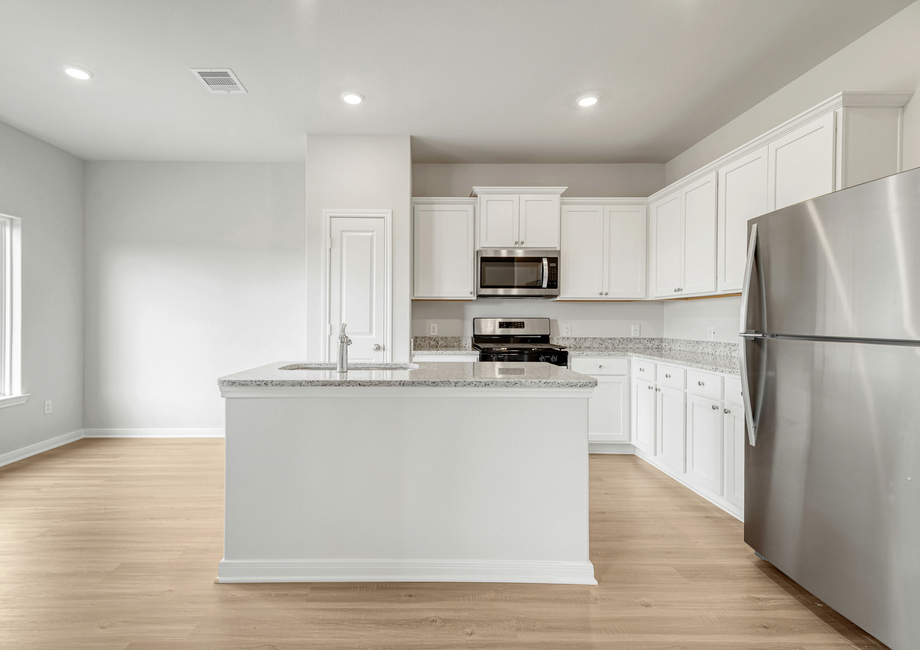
x=360 y=483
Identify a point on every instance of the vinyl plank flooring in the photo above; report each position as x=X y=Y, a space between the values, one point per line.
x=114 y=544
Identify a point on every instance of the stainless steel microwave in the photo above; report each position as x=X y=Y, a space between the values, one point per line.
x=517 y=273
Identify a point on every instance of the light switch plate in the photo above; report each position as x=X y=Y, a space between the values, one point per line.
x=567 y=329
x=634 y=331
x=432 y=329
x=47 y=407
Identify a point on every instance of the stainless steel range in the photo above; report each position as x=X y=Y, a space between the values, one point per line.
x=516 y=339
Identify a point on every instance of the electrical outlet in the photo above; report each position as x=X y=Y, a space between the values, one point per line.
x=567 y=329
x=432 y=329
x=712 y=333
x=634 y=331
x=47 y=407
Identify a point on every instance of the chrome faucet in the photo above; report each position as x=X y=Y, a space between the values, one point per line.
x=342 y=362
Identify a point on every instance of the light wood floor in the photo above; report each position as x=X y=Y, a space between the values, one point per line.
x=115 y=543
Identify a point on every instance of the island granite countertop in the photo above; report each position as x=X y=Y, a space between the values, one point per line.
x=447 y=375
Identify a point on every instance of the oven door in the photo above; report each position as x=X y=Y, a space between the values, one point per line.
x=516 y=273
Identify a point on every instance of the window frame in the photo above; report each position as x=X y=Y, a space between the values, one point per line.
x=10 y=312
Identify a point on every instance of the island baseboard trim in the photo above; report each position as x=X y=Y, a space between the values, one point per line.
x=245 y=571
x=154 y=433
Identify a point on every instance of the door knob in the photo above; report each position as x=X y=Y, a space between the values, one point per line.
x=377 y=347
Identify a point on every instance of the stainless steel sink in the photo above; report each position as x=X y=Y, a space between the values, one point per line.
x=352 y=366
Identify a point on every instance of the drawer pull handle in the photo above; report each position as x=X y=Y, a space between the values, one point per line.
x=701 y=383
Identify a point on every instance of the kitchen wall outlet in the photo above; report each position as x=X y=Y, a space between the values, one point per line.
x=567 y=329
x=432 y=329
x=47 y=407
x=712 y=333
x=634 y=331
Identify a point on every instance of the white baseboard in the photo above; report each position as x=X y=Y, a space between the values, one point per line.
x=153 y=433
x=570 y=573
x=39 y=447
x=610 y=448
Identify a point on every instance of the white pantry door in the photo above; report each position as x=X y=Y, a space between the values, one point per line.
x=357 y=287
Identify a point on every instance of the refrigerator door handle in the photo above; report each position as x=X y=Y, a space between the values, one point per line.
x=749 y=415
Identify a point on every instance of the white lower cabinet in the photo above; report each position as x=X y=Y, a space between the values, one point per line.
x=689 y=424
x=644 y=415
x=608 y=408
x=733 y=430
x=672 y=440
x=704 y=443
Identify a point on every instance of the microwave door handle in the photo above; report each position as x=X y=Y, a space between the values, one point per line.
x=545 y=272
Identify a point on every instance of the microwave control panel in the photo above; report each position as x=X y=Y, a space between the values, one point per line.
x=553 y=281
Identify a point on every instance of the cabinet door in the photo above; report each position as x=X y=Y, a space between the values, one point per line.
x=733 y=428
x=582 y=272
x=666 y=236
x=699 y=236
x=444 y=251
x=644 y=404
x=742 y=196
x=539 y=227
x=801 y=163
x=608 y=410
x=498 y=220
x=672 y=448
x=704 y=443
x=626 y=227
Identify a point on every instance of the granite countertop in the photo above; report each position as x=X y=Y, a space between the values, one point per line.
x=722 y=363
x=439 y=351
x=450 y=375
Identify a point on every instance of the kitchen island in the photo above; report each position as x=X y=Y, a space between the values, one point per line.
x=471 y=472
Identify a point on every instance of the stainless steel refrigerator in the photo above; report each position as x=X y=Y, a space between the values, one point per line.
x=830 y=330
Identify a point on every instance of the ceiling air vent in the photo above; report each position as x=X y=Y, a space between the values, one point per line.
x=219 y=80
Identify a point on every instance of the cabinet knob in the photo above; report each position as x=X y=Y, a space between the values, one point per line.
x=657 y=390
x=600 y=293
x=651 y=387
x=701 y=383
x=715 y=407
x=471 y=293
x=600 y=365
x=667 y=376
x=728 y=411
x=606 y=292
x=641 y=369
x=675 y=290
x=376 y=347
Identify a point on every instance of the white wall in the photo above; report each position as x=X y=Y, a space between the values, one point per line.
x=691 y=319
x=587 y=319
x=639 y=179
x=885 y=59
x=194 y=270
x=365 y=172
x=43 y=186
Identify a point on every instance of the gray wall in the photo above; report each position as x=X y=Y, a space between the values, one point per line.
x=359 y=172
x=194 y=270
x=43 y=186
x=885 y=59
x=640 y=179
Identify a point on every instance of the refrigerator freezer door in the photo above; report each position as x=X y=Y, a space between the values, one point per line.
x=843 y=265
x=832 y=487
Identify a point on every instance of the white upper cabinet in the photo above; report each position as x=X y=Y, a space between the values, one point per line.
x=444 y=251
x=582 y=272
x=801 y=163
x=522 y=217
x=684 y=240
x=742 y=196
x=603 y=252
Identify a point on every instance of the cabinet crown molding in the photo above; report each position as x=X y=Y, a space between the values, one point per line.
x=517 y=190
x=443 y=200
x=840 y=100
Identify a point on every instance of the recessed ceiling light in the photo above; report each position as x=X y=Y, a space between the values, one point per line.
x=587 y=100
x=77 y=72
x=352 y=97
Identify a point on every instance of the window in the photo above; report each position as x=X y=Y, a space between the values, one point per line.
x=10 y=317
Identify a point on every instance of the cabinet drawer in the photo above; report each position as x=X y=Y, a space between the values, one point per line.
x=642 y=369
x=705 y=384
x=733 y=390
x=671 y=376
x=600 y=365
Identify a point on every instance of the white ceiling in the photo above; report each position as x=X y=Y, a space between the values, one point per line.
x=470 y=80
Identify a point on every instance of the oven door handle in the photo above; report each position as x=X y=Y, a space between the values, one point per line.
x=545 y=272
